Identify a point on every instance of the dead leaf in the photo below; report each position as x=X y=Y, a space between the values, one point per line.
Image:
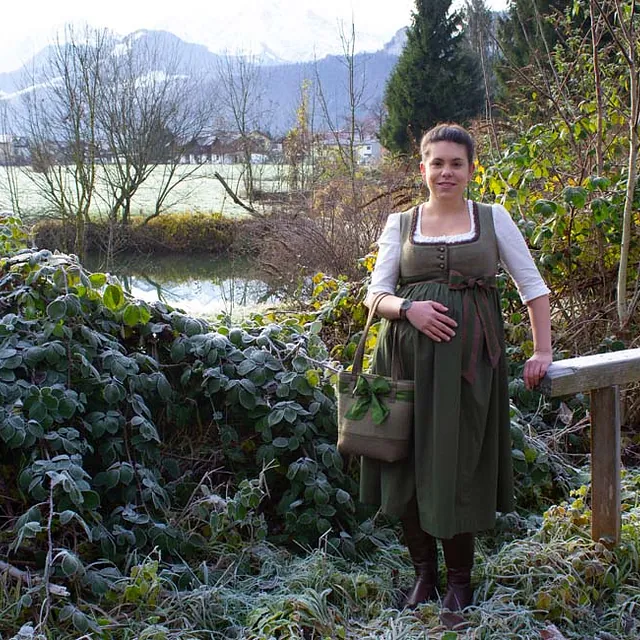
x=550 y=632
x=565 y=414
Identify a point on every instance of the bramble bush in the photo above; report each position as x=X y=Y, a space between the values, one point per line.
x=104 y=400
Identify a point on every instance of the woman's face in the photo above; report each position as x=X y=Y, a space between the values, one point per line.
x=446 y=170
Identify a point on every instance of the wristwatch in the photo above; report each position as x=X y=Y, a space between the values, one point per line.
x=404 y=307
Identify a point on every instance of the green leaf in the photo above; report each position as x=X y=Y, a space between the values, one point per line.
x=322 y=525
x=145 y=314
x=37 y=411
x=575 y=196
x=70 y=564
x=275 y=417
x=164 y=388
x=247 y=400
x=362 y=386
x=246 y=367
x=342 y=497
x=80 y=621
x=91 y=500
x=57 y=309
x=113 y=297
x=97 y=280
x=131 y=315
x=112 y=393
x=300 y=363
x=66 y=516
x=545 y=207
x=281 y=443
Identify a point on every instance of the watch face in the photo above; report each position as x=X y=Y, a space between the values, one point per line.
x=406 y=304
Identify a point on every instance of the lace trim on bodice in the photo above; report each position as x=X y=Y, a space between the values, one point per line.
x=459 y=237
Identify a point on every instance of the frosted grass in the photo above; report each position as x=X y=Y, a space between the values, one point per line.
x=201 y=192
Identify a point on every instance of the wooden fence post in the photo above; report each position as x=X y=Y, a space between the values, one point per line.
x=602 y=375
x=605 y=464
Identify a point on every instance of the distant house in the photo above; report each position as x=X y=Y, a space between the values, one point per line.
x=367 y=151
x=222 y=147
x=14 y=150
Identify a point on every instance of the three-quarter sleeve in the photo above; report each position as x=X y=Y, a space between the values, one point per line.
x=387 y=267
x=516 y=257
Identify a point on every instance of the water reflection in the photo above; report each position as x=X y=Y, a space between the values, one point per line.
x=197 y=284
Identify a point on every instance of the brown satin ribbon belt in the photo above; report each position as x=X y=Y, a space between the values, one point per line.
x=481 y=329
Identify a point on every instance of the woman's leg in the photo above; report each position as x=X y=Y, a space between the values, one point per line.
x=458 y=556
x=424 y=555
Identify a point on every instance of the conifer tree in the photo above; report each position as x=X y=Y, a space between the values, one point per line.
x=437 y=78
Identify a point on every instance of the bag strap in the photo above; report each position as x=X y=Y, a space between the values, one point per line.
x=359 y=355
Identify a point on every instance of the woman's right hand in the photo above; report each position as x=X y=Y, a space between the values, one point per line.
x=431 y=318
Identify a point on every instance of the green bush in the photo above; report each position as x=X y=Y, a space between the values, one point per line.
x=103 y=400
x=170 y=232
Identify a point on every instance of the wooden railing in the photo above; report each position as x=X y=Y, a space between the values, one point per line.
x=601 y=375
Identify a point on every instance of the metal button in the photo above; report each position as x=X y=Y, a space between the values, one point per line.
x=441 y=249
x=442 y=266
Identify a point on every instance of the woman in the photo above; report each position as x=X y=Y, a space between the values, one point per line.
x=439 y=262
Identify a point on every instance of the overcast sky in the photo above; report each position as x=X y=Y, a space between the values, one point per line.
x=31 y=24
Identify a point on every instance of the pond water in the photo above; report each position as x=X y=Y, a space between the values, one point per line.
x=199 y=285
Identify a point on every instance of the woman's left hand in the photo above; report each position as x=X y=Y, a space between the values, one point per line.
x=535 y=368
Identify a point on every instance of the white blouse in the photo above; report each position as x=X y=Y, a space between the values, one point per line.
x=512 y=248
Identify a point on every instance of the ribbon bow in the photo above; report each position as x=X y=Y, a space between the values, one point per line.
x=478 y=308
x=370 y=394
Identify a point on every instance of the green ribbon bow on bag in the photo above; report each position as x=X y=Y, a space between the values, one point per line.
x=370 y=397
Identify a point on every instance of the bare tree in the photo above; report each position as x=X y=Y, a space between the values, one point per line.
x=8 y=159
x=108 y=114
x=61 y=125
x=344 y=138
x=149 y=114
x=242 y=92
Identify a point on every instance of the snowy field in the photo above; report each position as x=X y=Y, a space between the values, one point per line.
x=201 y=192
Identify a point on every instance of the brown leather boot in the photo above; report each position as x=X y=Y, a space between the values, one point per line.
x=458 y=555
x=424 y=555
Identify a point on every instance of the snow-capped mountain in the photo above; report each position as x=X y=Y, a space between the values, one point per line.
x=280 y=82
x=280 y=30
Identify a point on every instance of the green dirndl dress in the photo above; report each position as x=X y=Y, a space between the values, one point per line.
x=460 y=467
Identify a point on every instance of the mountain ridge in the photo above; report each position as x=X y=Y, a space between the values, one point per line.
x=281 y=81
